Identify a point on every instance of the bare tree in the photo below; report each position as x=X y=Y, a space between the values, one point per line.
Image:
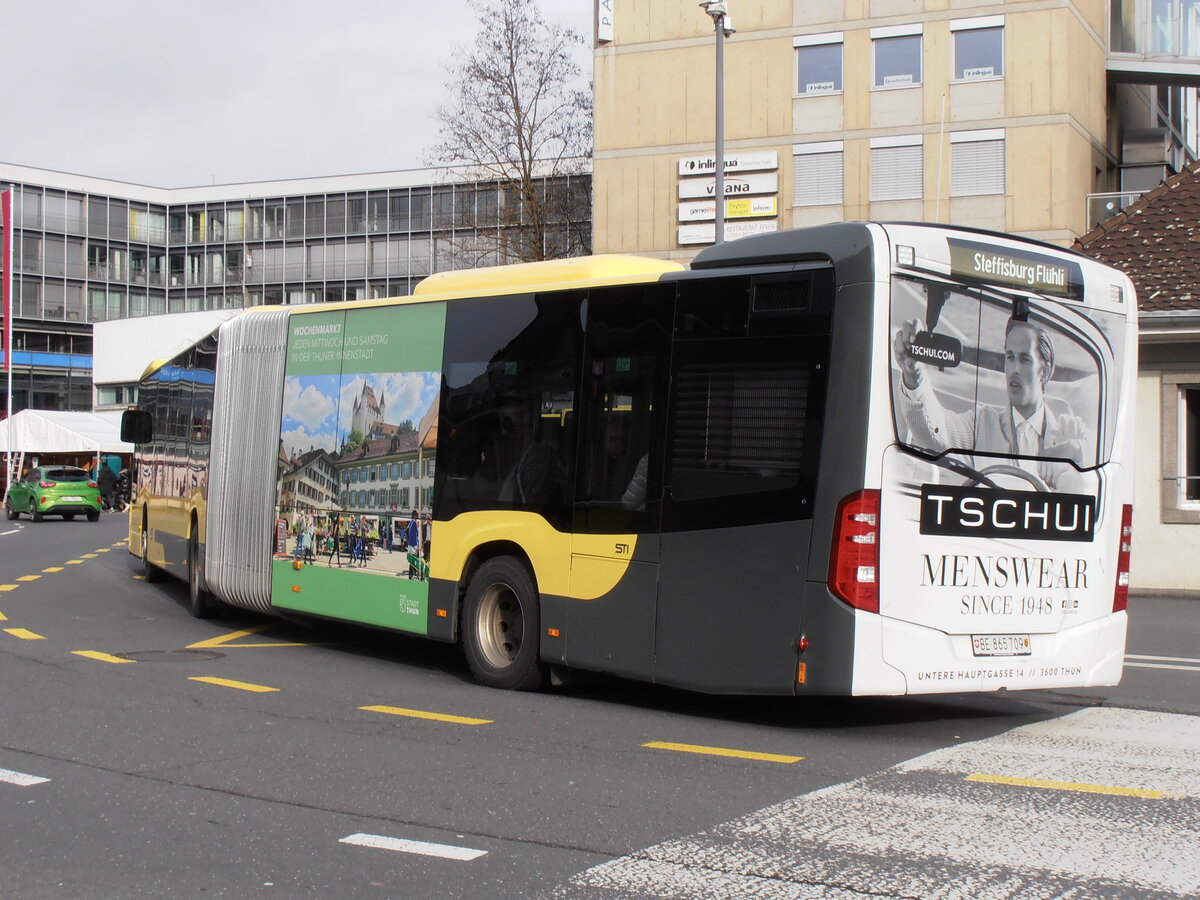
x=520 y=128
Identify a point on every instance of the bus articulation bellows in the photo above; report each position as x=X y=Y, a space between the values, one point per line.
x=863 y=458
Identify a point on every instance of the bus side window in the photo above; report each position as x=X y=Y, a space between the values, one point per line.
x=507 y=435
x=618 y=489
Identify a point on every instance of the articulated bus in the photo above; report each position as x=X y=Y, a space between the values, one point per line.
x=861 y=458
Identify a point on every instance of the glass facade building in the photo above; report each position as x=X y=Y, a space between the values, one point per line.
x=87 y=250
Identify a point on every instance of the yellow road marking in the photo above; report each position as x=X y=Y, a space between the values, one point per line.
x=224 y=640
x=1069 y=786
x=53 y=569
x=9 y=587
x=103 y=657
x=139 y=577
x=101 y=549
x=722 y=751
x=421 y=714
x=3 y=617
x=24 y=634
x=74 y=562
x=237 y=685
x=28 y=577
x=87 y=555
x=121 y=543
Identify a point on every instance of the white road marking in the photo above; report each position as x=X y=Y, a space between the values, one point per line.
x=20 y=778
x=1163 y=662
x=922 y=829
x=421 y=848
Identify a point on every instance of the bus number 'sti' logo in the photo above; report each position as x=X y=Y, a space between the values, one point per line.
x=622 y=549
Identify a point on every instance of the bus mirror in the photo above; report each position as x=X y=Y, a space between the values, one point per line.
x=136 y=426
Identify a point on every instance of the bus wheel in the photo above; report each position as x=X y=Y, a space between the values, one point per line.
x=501 y=626
x=150 y=571
x=200 y=602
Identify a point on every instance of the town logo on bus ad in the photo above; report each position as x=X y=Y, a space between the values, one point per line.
x=356 y=462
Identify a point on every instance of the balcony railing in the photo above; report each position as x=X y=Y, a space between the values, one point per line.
x=1104 y=206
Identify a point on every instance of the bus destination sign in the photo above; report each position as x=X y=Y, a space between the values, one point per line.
x=1035 y=272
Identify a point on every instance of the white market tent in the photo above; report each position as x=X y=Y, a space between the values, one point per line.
x=36 y=431
x=58 y=431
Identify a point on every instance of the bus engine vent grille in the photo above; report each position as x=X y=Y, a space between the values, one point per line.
x=739 y=427
x=780 y=296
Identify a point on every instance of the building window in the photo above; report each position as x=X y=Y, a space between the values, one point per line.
x=896 y=168
x=818 y=63
x=978 y=48
x=1188 y=466
x=897 y=55
x=817 y=177
x=977 y=162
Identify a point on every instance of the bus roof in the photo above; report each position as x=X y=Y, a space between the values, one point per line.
x=548 y=275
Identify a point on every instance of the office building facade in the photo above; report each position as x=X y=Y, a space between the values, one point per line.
x=88 y=250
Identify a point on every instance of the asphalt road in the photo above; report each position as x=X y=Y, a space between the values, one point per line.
x=144 y=753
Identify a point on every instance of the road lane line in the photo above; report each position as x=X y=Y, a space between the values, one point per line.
x=237 y=685
x=1069 y=786
x=1178 y=659
x=9 y=587
x=87 y=555
x=224 y=640
x=722 y=751
x=25 y=634
x=74 y=562
x=20 y=778
x=422 y=714
x=102 y=550
x=1142 y=665
x=28 y=577
x=421 y=848
x=53 y=569
x=3 y=617
x=103 y=657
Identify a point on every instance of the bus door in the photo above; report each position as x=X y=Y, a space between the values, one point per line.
x=749 y=364
x=618 y=490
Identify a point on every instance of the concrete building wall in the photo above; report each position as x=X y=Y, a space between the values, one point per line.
x=654 y=102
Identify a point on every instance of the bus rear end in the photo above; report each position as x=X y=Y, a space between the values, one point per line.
x=995 y=551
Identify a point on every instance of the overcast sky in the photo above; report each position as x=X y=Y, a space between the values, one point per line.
x=173 y=94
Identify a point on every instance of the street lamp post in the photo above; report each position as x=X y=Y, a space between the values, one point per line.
x=723 y=29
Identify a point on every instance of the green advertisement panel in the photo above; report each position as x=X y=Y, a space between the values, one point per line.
x=356 y=462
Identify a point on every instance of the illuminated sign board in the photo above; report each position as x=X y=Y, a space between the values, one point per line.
x=1035 y=272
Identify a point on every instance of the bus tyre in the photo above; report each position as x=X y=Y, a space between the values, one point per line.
x=501 y=626
x=201 y=603
x=150 y=571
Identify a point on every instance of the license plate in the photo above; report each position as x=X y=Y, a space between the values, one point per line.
x=73 y=499
x=1001 y=644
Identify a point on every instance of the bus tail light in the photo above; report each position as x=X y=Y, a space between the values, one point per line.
x=854 y=557
x=1121 y=592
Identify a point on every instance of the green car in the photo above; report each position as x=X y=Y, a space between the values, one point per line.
x=58 y=490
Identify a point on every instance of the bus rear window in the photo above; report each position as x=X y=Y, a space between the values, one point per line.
x=978 y=371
